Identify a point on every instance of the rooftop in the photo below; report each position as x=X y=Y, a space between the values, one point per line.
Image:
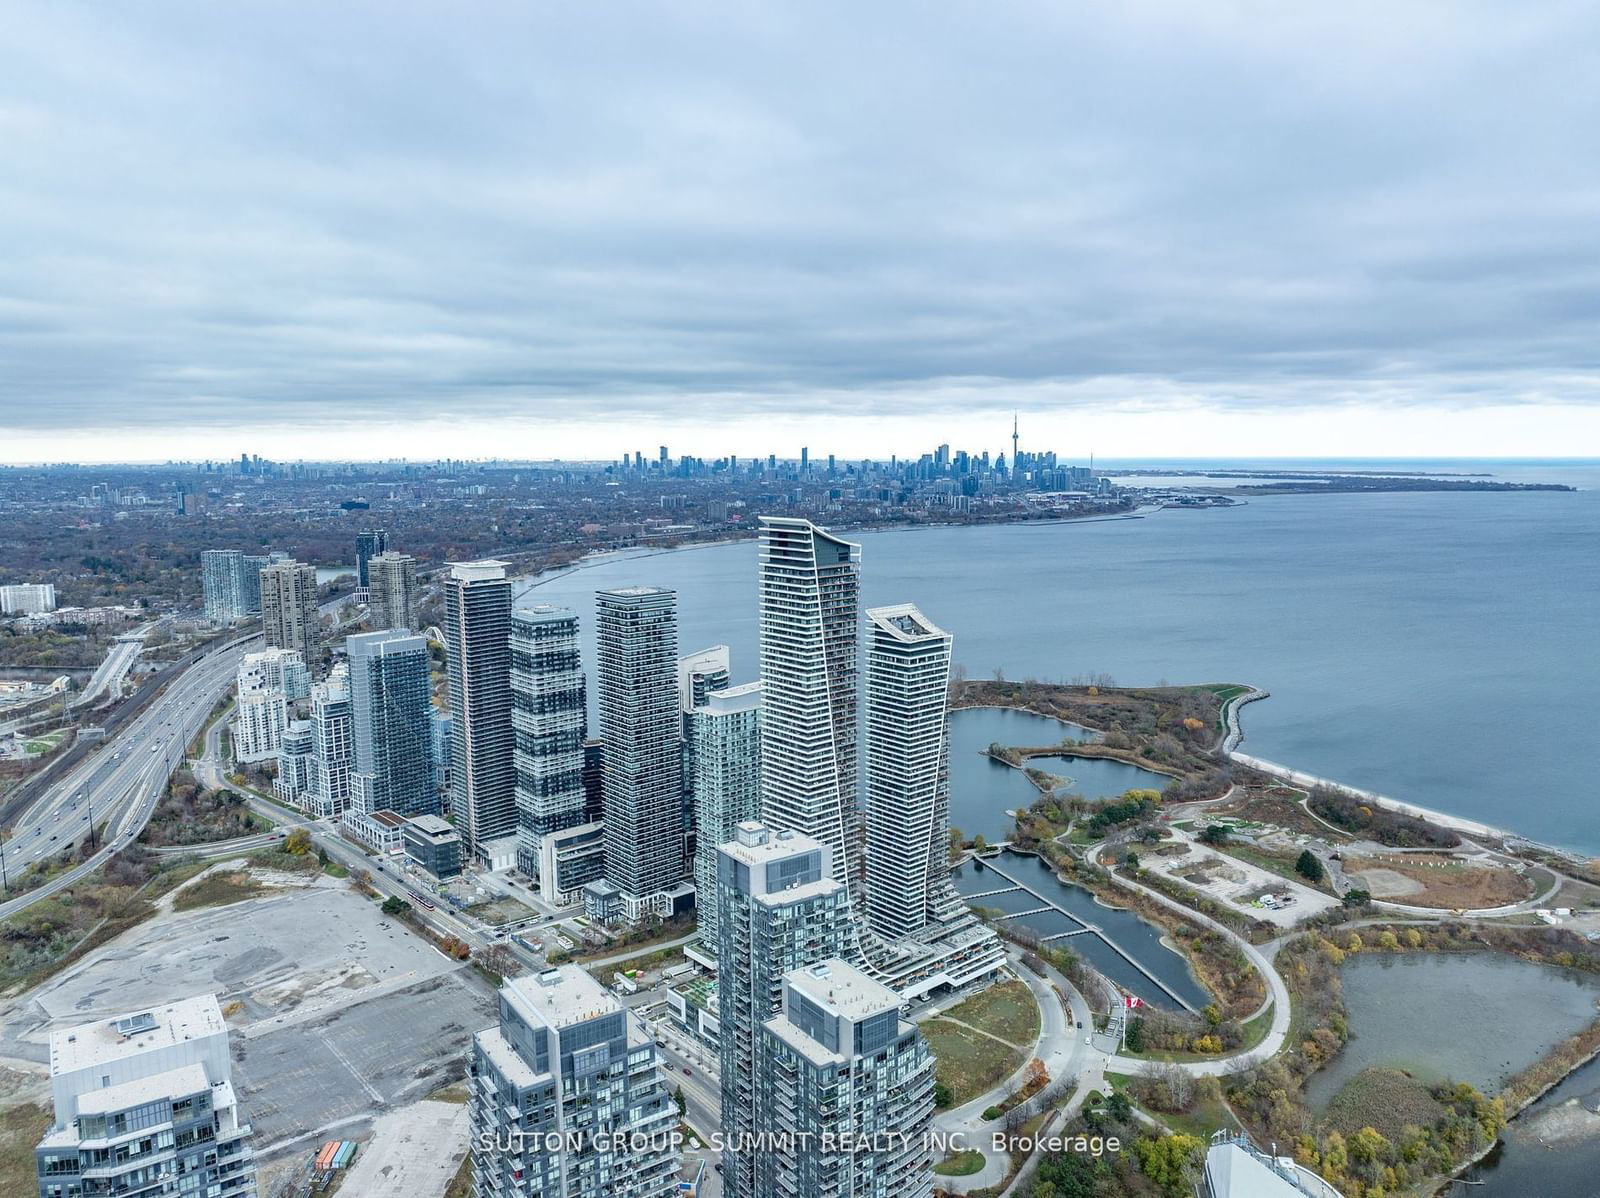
x=432 y=825
x=906 y=623
x=754 y=844
x=798 y=1040
x=488 y=570
x=745 y=697
x=563 y=996
x=843 y=990
x=174 y=1083
x=506 y=1059
x=137 y=1032
x=542 y=613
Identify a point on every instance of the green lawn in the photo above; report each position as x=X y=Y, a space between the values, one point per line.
x=962 y=1164
x=218 y=890
x=1201 y=1120
x=966 y=1061
x=1006 y=1009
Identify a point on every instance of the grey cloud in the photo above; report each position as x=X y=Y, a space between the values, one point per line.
x=296 y=212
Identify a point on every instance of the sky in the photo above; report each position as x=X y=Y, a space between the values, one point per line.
x=1151 y=228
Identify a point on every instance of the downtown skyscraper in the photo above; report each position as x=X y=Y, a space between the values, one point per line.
x=908 y=782
x=636 y=646
x=549 y=723
x=390 y=724
x=477 y=633
x=810 y=597
x=778 y=908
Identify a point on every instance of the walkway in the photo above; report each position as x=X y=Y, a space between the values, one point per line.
x=1277 y=992
x=1057 y=1045
x=1086 y=926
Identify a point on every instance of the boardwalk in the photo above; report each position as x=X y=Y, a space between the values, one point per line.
x=1084 y=927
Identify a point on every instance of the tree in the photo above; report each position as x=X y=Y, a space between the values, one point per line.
x=979 y=843
x=942 y=1095
x=677 y=1097
x=1214 y=834
x=1169 y=1161
x=1134 y=1035
x=1357 y=897
x=497 y=959
x=395 y=905
x=299 y=842
x=1131 y=859
x=1309 y=867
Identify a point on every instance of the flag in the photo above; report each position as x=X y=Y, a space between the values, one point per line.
x=1132 y=1001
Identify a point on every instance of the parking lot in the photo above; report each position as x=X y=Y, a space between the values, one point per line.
x=334 y=1072
x=300 y=946
x=337 y=1013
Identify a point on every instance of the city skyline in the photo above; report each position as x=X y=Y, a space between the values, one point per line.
x=1255 y=244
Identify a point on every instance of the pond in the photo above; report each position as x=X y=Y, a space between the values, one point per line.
x=1472 y=1017
x=1140 y=939
x=983 y=789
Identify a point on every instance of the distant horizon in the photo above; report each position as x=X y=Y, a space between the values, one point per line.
x=1153 y=230
x=1109 y=462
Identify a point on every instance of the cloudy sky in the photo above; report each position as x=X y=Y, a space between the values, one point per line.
x=542 y=230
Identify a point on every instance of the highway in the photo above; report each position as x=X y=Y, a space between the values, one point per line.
x=119 y=784
x=125 y=650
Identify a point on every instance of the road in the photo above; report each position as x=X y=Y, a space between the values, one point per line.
x=125 y=650
x=117 y=786
x=1059 y=1044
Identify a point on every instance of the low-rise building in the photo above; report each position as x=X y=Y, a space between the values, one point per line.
x=568 y=861
x=144 y=1104
x=382 y=832
x=432 y=845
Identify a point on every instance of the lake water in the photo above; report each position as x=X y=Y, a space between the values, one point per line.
x=1440 y=648
x=1472 y=1017
x=982 y=789
x=1139 y=938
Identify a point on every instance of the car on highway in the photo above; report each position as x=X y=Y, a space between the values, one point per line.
x=687 y=1072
